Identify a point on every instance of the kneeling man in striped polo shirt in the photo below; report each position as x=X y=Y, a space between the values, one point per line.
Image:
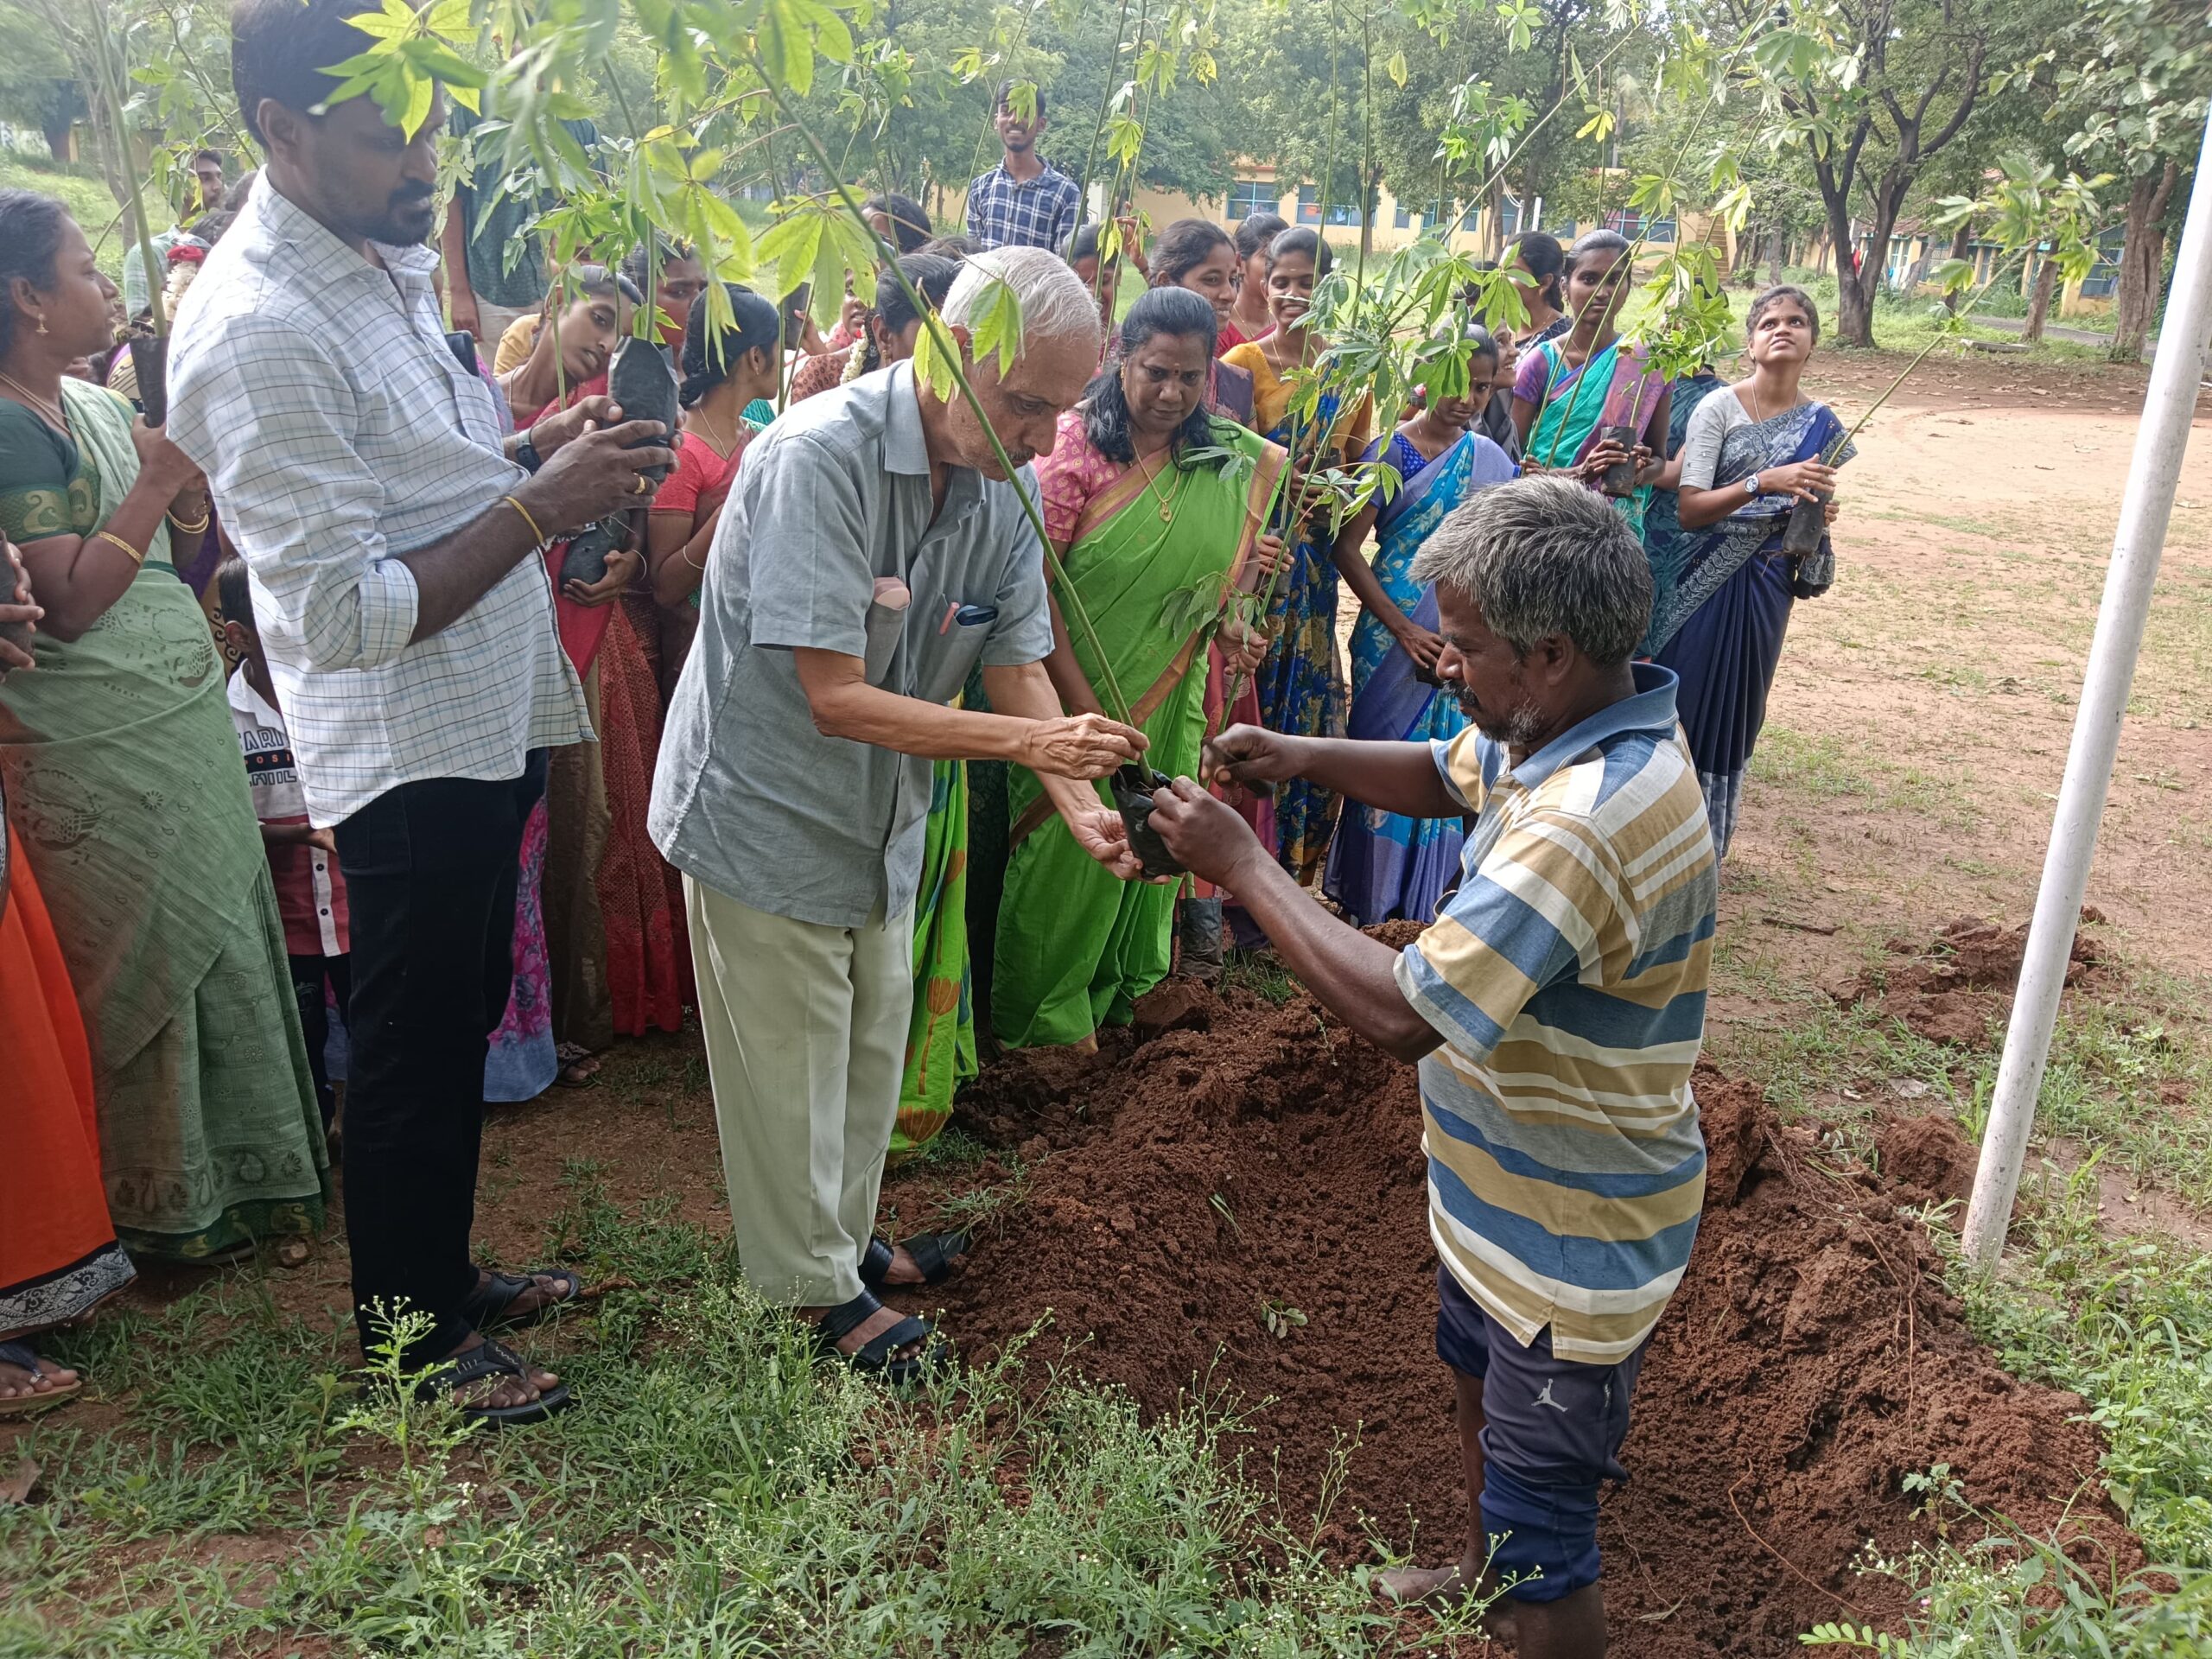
x=1555 y=1005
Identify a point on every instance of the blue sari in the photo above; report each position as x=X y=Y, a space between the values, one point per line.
x=1666 y=544
x=1382 y=865
x=1721 y=627
x=1300 y=691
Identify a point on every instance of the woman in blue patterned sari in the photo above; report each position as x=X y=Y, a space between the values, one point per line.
x=1753 y=450
x=1301 y=690
x=1382 y=866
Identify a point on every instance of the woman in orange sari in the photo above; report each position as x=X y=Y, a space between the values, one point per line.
x=58 y=1250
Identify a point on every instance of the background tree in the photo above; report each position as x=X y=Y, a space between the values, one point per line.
x=1873 y=91
x=2134 y=79
x=39 y=86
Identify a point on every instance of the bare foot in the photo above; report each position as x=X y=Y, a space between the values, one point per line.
x=1446 y=1587
x=16 y=1383
x=501 y=1391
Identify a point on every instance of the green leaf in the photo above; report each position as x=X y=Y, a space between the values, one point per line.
x=1397 y=69
x=790 y=246
x=995 y=327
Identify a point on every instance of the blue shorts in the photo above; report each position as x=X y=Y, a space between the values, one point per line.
x=1552 y=1435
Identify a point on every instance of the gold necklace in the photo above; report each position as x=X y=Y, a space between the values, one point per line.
x=713 y=433
x=1167 y=496
x=55 y=412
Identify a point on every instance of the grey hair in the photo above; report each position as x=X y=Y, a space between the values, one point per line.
x=1054 y=303
x=1541 y=556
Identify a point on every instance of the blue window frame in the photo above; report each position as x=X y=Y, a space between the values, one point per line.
x=1250 y=196
x=1309 y=204
x=1509 y=216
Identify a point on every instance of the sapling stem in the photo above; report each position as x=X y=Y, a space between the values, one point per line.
x=950 y=350
x=1963 y=313
x=127 y=170
x=1098 y=127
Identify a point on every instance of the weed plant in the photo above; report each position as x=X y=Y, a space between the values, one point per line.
x=719 y=1493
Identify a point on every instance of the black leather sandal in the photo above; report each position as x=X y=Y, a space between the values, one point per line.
x=485 y=1306
x=877 y=1357
x=935 y=1253
x=490 y=1358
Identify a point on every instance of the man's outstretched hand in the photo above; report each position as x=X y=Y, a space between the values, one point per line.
x=1251 y=756
x=1207 y=836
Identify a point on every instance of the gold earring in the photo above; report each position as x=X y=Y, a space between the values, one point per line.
x=42 y=325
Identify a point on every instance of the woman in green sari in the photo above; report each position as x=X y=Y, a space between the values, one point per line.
x=126 y=793
x=1151 y=503
x=1584 y=399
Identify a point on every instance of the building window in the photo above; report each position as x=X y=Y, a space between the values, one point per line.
x=1309 y=209
x=1250 y=196
x=1509 y=216
x=2104 y=278
x=1431 y=212
x=1626 y=220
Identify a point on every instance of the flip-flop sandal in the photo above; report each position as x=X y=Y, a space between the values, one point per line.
x=877 y=1357
x=19 y=1354
x=935 y=1254
x=579 y=1067
x=490 y=1358
x=486 y=1305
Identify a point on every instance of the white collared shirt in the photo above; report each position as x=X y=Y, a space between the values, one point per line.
x=337 y=431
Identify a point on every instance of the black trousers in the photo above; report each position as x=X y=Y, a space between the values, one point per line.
x=430 y=870
x=310 y=976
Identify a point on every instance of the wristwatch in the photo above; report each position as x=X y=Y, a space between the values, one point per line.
x=1751 y=484
x=527 y=455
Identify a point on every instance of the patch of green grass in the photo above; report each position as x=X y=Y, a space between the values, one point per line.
x=951 y=1148
x=2127 y=1325
x=1260 y=972
x=1817 y=766
x=2130 y=1081
x=717 y=1493
x=83 y=192
x=985 y=1208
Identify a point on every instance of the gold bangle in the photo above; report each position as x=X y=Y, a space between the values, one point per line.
x=192 y=526
x=526 y=518
x=138 y=555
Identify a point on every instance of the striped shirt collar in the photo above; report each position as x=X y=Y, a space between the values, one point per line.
x=1650 y=708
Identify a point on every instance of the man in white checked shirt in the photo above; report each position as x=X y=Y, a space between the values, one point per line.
x=393 y=540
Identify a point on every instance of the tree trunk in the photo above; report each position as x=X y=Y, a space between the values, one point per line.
x=1774 y=241
x=60 y=136
x=1821 y=253
x=1961 y=244
x=1855 y=290
x=2039 y=300
x=2142 y=256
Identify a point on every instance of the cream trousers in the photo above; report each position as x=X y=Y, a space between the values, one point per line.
x=806 y=1040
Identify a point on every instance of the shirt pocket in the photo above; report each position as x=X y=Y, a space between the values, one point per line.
x=946 y=635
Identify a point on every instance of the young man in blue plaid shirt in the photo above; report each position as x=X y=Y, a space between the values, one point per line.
x=1025 y=201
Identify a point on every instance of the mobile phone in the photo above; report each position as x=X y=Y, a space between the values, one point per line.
x=796 y=304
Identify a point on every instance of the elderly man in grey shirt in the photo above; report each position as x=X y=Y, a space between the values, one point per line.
x=793 y=781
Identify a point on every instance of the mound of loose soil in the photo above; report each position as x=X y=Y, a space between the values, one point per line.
x=1252 y=1159
x=1950 y=990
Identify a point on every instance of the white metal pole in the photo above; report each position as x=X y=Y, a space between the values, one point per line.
x=2144 y=510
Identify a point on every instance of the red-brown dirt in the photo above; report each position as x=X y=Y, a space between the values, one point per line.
x=1258 y=1157
x=1950 y=990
